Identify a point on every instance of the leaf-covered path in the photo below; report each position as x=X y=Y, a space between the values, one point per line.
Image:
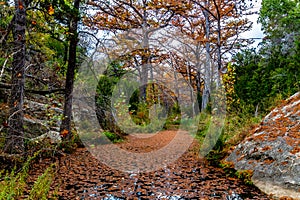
x=82 y=176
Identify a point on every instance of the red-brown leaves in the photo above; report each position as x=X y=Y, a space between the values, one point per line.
x=64 y=133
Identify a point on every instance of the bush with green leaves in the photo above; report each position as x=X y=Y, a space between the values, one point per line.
x=112 y=137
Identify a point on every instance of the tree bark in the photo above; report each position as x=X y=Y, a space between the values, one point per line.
x=207 y=68
x=14 y=142
x=69 y=85
x=145 y=59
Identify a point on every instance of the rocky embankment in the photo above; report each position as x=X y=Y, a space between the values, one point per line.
x=272 y=151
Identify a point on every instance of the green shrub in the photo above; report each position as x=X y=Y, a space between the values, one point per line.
x=112 y=137
x=204 y=123
x=236 y=127
x=228 y=168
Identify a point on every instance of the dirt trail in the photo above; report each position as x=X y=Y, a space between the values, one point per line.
x=82 y=176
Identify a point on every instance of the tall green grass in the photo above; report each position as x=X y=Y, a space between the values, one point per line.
x=13 y=184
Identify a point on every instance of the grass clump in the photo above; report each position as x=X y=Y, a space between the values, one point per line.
x=244 y=175
x=13 y=183
x=42 y=185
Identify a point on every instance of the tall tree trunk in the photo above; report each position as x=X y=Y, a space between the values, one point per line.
x=14 y=142
x=207 y=68
x=175 y=77
x=219 y=54
x=192 y=96
x=219 y=30
x=145 y=59
x=65 y=127
x=198 y=75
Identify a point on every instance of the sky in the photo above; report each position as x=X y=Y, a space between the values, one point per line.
x=255 y=32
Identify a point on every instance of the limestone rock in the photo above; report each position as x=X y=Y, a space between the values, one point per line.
x=40 y=118
x=272 y=151
x=52 y=135
x=34 y=127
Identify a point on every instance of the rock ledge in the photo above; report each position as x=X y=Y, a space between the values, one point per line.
x=272 y=151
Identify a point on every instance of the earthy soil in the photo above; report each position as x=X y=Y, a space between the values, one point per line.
x=81 y=176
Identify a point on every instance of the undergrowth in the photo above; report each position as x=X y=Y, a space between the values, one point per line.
x=13 y=184
x=244 y=175
x=237 y=126
x=112 y=137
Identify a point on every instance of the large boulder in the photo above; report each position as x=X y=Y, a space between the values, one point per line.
x=272 y=151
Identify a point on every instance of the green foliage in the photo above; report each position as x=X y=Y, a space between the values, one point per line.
x=70 y=144
x=133 y=115
x=104 y=91
x=237 y=125
x=204 y=123
x=140 y=116
x=244 y=175
x=147 y=119
x=236 y=128
x=42 y=185
x=112 y=137
x=5 y=14
x=174 y=120
x=275 y=14
x=260 y=79
x=272 y=72
x=156 y=108
x=228 y=168
x=12 y=185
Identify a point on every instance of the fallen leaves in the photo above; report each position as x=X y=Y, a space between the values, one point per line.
x=80 y=175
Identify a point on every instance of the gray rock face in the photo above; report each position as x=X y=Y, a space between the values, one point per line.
x=272 y=151
x=41 y=119
x=52 y=135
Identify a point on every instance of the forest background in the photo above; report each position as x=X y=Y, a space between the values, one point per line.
x=197 y=42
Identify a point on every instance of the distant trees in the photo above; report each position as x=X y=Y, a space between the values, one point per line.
x=272 y=72
x=281 y=47
x=213 y=28
x=152 y=37
x=137 y=21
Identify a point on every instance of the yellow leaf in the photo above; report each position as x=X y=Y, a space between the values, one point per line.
x=51 y=10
